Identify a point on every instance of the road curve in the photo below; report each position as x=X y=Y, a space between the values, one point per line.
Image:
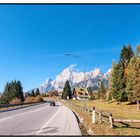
x=42 y=120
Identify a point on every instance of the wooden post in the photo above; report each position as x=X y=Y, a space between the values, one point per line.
x=88 y=111
x=93 y=115
x=100 y=117
x=111 y=120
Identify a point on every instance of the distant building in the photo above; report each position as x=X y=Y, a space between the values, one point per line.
x=80 y=93
x=60 y=93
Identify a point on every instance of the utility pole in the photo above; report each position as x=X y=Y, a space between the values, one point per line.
x=69 y=54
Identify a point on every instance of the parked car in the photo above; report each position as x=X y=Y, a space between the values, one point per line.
x=52 y=103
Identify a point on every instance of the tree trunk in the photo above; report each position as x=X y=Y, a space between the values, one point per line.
x=138 y=105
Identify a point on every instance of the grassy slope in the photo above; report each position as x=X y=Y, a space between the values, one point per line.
x=118 y=111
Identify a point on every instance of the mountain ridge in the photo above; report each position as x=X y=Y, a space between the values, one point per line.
x=76 y=78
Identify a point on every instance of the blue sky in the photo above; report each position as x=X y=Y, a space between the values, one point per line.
x=34 y=38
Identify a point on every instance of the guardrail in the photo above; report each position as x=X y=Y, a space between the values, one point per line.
x=13 y=105
x=101 y=116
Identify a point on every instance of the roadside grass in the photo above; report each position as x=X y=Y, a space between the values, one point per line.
x=123 y=110
x=119 y=111
x=86 y=123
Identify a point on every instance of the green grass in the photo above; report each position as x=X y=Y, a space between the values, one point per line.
x=119 y=111
x=123 y=111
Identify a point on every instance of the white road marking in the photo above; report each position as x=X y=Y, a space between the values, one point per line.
x=4 y=119
x=38 y=132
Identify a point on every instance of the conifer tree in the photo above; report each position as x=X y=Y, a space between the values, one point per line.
x=125 y=55
x=102 y=91
x=20 y=90
x=6 y=93
x=33 y=93
x=113 y=81
x=12 y=90
x=37 y=92
x=133 y=80
x=67 y=91
x=116 y=83
x=118 y=77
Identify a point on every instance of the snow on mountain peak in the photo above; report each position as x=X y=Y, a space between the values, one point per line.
x=109 y=71
x=72 y=67
x=46 y=86
x=96 y=72
x=75 y=78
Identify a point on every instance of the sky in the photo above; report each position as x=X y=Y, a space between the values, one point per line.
x=34 y=39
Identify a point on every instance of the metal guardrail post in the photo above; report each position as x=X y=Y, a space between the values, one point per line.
x=93 y=115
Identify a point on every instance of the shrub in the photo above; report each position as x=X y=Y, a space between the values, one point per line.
x=29 y=99
x=15 y=101
x=38 y=99
x=3 y=100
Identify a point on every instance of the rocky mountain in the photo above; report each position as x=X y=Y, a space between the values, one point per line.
x=76 y=78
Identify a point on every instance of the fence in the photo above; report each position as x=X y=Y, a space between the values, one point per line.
x=101 y=116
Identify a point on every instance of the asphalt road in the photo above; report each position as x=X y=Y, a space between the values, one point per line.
x=41 y=119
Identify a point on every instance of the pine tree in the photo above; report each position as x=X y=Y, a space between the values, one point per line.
x=116 y=83
x=19 y=90
x=118 y=77
x=37 y=92
x=113 y=81
x=12 y=90
x=9 y=92
x=33 y=93
x=67 y=91
x=125 y=56
x=102 y=91
x=133 y=80
x=6 y=94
